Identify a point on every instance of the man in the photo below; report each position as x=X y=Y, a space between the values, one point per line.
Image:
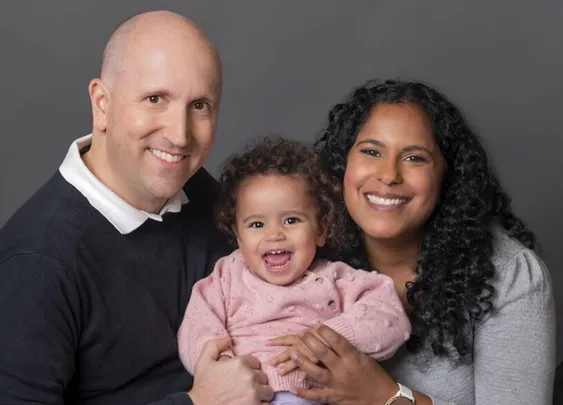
x=97 y=267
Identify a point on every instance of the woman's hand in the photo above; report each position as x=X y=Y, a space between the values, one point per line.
x=349 y=376
x=283 y=361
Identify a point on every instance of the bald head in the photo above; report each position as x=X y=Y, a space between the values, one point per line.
x=144 y=31
x=154 y=108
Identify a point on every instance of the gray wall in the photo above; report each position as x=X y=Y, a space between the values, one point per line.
x=287 y=62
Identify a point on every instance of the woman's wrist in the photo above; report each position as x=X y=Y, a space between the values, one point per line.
x=419 y=398
x=387 y=390
x=403 y=395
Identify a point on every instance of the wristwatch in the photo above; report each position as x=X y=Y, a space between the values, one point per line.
x=403 y=392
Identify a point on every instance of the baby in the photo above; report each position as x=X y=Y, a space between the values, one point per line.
x=286 y=216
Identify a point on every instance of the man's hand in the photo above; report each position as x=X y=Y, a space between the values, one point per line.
x=230 y=381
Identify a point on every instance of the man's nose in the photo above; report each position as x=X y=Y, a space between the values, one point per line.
x=179 y=128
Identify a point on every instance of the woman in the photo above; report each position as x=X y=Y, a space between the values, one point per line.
x=431 y=214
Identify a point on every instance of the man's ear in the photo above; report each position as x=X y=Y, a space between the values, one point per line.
x=99 y=98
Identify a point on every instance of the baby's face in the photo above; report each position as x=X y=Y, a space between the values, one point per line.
x=276 y=227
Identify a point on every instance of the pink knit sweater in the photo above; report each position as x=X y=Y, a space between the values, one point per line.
x=362 y=306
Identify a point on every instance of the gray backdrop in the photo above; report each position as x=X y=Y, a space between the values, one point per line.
x=287 y=62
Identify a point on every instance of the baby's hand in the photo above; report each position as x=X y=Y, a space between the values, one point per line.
x=283 y=361
x=223 y=358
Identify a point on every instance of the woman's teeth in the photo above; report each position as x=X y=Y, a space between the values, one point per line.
x=385 y=201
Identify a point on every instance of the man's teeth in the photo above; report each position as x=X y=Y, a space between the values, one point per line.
x=385 y=201
x=166 y=156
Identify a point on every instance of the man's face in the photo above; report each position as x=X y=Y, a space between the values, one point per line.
x=161 y=121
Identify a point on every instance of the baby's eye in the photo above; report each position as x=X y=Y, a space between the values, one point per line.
x=292 y=220
x=256 y=224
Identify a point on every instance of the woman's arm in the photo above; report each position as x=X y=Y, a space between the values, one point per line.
x=349 y=376
x=514 y=347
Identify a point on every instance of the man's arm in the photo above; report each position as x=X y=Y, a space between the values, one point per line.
x=39 y=330
x=181 y=398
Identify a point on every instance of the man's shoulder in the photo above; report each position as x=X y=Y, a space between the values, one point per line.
x=51 y=214
x=202 y=189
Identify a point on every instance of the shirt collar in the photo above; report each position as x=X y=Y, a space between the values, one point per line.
x=123 y=216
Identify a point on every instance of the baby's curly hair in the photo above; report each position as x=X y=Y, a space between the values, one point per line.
x=283 y=157
x=453 y=288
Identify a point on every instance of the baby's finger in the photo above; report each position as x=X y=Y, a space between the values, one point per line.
x=287 y=340
x=287 y=367
x=280 y=358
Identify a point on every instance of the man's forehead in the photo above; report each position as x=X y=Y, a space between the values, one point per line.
x=171 y=70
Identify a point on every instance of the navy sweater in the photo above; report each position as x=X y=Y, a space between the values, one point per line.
x=89 y=316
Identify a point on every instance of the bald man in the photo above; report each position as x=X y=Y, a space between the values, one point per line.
x=97 y=267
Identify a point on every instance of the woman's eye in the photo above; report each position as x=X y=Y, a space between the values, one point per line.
x=370 y=152
x=415 y=158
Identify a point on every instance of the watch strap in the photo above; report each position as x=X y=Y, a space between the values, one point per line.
x=404 y=392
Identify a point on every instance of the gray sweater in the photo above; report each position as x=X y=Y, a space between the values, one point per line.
x=513 y=347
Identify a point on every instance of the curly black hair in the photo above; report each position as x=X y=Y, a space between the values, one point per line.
x=452 y=290
x=283 y=157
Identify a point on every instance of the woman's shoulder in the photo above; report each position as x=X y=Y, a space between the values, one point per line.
x=518 y=269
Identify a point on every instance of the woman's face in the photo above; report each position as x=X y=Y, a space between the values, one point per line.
x=393 y=173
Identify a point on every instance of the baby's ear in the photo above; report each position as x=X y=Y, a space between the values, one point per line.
x=322 y=233
x=235 y=235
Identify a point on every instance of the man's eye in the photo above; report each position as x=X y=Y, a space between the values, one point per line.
x=199 y=105
x=154 y=99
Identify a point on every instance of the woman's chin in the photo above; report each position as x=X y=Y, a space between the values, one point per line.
x=385 y=234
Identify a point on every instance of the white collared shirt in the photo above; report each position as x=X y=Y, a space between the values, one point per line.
x=123 y=216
